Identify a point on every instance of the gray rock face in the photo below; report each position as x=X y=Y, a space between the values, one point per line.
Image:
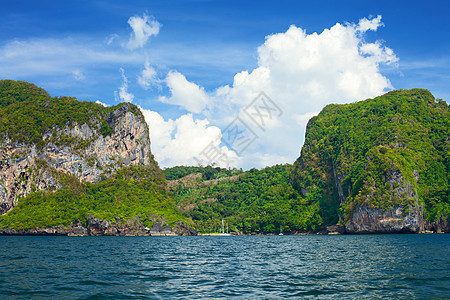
x=377 y=220
x=98 y=227
x=400 y=219
x=24 y=168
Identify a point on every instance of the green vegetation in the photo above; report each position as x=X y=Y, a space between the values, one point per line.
x=383 y=152
x=28 y=112
x=254 y=201
x=386 y=152
x=207 y=172
x=131 y=191
x=27 y=115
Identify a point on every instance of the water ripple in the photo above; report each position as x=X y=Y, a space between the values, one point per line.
x=270 y=267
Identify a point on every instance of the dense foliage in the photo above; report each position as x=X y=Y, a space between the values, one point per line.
x=28 y=112
x=384 y=152
x=132 y=191
x=254 y=201
x=27 y=115
x=207 y=172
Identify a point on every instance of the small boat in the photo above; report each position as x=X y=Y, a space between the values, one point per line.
x=223 y=230
x=281 y=232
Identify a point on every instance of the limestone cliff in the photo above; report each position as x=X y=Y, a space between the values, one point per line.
x=381 y=165
x=107 y=139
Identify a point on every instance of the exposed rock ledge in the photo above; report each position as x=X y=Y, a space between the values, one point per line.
x=21 y=172
x=377 y=220
x=399 y=220
x=98 y=227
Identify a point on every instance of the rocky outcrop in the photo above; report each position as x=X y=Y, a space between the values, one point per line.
x=380 y=165
x=98 y=227
x=81 y=150
x=377 y=220
x=441 y=224
x=335 y=229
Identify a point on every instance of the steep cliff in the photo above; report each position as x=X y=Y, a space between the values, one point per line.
x=78 y=168
x=41 y=135
x=379 y=165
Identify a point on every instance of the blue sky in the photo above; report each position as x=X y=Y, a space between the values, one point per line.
x=85 y=49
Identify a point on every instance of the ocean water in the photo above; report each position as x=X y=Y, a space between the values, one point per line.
x=243 y=267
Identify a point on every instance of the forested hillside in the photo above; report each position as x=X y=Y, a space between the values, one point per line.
x=67 y=163
x=379 y=165
x=383 y=154
x=131 y=192
x=259 y=201
x=28 y=112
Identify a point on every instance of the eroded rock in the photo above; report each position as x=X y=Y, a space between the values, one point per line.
x=24 y=168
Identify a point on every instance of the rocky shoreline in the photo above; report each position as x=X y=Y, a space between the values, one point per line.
x=97 y=227
x=187 y=231
x=134 y=227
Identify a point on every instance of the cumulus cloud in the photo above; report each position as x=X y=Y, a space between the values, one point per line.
x=143 y=29
x=123 y=94
x=301 y=73
x=148 y=77
x=185 y=93
x=184 y=141
x=378 y=53
x=369 y=24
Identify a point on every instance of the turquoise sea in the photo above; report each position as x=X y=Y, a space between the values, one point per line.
x=242 y=267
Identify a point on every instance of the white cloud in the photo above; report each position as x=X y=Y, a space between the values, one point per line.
x=123 y=94
x=378 y=53
x=185 y=93
x=101 y=103
x=182 y=141
x=369 y=24
x=143 y=29
x=301 y=73
x=78 y=75
x=148 y=77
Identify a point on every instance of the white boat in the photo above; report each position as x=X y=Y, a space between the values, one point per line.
x=281 y=232
x=223 y=230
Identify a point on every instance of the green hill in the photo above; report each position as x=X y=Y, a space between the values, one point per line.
x=361 y=162
x=27 y=112
x=65 y=162
x=76 y=167
x=132 y=191
x=255 y=201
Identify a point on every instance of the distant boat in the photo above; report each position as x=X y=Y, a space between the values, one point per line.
x=281 y=232
x=223 y=230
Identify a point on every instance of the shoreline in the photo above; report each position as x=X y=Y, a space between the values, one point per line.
x=163 y=234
